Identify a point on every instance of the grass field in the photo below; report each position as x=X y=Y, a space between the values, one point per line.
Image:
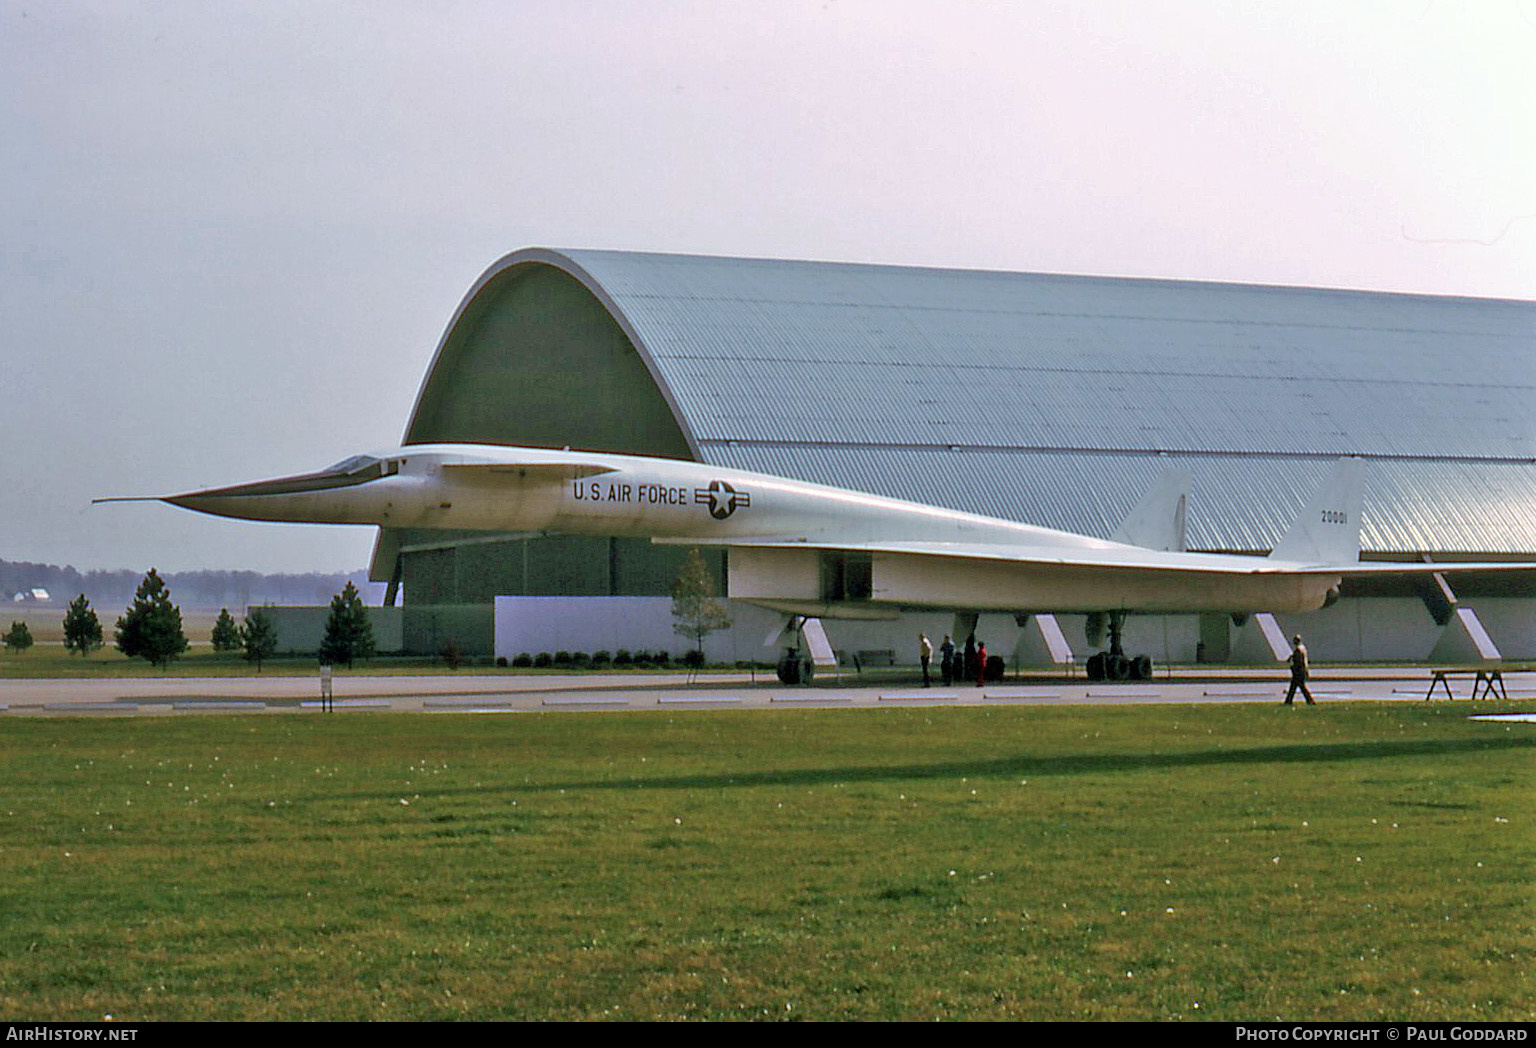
x=53 y=662
x=48 y=659
x=1348 y=862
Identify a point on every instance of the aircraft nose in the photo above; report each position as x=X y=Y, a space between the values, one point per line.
x=212 y=499
x=240 y=500
x=218 y=500
x=260 y=498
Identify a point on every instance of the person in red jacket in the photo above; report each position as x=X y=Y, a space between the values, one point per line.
x=981 y=663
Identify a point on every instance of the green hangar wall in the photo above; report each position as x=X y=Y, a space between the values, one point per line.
x=532 y=358
x=535 y=359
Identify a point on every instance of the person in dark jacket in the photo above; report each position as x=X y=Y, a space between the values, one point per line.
x=1300 y=671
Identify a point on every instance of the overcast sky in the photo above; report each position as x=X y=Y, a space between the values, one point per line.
x=232 y=233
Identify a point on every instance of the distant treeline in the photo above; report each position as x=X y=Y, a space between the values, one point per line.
x=212 y=590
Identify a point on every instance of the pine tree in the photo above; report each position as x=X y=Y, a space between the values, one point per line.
x=151 y=627
x=348 y=633
x=226 y=635
x=17 y=638
x=82 y=629
x=694 y=606
x=258 y=636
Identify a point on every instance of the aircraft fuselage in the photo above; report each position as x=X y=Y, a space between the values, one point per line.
x=799 y=547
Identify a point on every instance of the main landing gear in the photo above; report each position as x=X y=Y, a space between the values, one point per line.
x=1114 y=664
x=795 y=668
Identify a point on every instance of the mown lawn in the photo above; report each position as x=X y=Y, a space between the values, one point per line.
x=1348 y=862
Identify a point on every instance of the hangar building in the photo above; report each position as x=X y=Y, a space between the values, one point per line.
x=1044 y=398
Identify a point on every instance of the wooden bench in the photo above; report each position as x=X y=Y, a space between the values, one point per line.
x=873 y=657
x=1486 y=684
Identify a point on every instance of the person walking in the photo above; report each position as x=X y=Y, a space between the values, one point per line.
x=1300 y=671
x=924 y=653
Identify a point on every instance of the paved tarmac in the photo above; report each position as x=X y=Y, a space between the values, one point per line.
x=519 y=693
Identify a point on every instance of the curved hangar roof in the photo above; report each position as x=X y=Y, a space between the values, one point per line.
x=1051 y=399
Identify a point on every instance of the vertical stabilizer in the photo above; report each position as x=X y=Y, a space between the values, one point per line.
x=1328 y=529
x=1158 y=520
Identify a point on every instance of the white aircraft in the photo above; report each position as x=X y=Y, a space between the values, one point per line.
x=820 y=552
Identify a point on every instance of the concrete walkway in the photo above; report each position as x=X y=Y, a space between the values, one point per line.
x=512 y=692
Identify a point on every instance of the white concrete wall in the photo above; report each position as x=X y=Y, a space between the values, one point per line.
x=1394 y=628
x=589 y=624
x=1352 y=630
x=536 y=624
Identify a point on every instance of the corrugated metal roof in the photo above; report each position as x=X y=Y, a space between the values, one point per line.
x=1238 y=503
x=1060 y=391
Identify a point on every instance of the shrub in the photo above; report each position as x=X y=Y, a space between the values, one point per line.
x=523 y=660
x=18 y=638
x=542 y=660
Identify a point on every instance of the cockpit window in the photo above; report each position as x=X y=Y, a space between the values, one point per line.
x=356 y=464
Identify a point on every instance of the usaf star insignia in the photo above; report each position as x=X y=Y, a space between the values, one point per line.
x=722 y=499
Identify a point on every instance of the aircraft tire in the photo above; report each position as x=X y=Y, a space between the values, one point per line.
x=794 y=670
x=1141 y=667
x=1117 y=667
x=1096 y=665
x=789 y=671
